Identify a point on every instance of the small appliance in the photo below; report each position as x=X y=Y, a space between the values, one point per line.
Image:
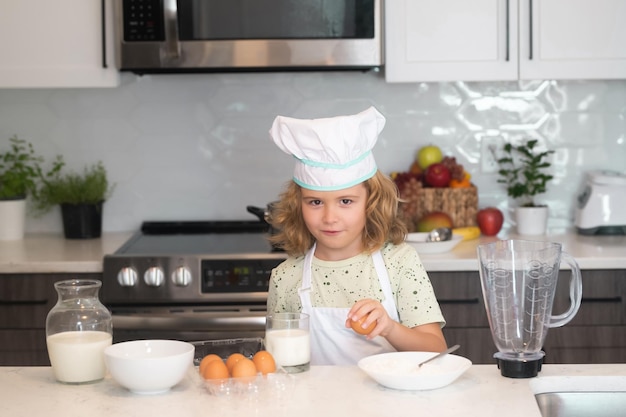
x=601 y=205
x=519 y=282
x=156 y=36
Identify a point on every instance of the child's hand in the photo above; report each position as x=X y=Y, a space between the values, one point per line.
x=371 y=311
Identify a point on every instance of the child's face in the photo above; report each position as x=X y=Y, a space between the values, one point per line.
x=336 y=219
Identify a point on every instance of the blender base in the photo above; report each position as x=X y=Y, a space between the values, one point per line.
x=519 y=368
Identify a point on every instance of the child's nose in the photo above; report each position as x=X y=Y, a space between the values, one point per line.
x=329 y=214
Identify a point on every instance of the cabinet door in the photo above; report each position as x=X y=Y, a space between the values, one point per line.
x=460 y=298
x=25 y=300
x=59 y=43
x=572 y=39
x=448 y=40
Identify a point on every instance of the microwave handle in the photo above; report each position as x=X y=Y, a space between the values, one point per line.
x=171 y=50
x=104 y=33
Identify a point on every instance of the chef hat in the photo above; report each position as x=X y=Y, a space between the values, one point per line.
x=331 y=153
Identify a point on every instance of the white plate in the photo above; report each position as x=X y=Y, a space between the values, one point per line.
x=398 y=370
x=418 y=241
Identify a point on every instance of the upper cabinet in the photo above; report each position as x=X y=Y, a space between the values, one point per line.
x=61 y=43
x=492 y=40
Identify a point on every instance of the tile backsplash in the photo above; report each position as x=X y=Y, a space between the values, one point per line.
x=183 y=147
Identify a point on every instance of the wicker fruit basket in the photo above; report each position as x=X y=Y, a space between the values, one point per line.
x=461 y=204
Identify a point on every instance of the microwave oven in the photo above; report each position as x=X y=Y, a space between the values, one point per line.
x=155 y=36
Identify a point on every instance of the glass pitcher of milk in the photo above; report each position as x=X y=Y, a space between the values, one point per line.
x=78 y=328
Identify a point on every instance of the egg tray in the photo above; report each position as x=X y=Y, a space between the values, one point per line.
x=278 y=384
x=225 y=347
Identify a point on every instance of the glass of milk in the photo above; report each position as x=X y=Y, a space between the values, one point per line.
x=78 y=329
x=287 y=339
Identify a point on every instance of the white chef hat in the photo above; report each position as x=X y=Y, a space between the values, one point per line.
x=331 y=153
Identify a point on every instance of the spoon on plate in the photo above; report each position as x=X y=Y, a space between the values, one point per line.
x=439 y=234
x=445 y=352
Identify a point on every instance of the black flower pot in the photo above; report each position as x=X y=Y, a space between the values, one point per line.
x=82 y=221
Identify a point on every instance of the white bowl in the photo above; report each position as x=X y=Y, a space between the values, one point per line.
x=149 y=366
x=418 y=241
x=398 y=370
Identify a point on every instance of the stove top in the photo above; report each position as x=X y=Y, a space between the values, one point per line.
x=199 y=238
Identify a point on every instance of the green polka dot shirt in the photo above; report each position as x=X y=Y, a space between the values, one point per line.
x=340 y=284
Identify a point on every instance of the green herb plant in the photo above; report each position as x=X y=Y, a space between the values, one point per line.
x=522 y=170
x=90 y=187
x=21 y=170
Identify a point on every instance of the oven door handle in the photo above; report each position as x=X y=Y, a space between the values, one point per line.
x=205 y=321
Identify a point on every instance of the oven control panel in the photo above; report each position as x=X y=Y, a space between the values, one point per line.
x=236 y=275
x=181 y=279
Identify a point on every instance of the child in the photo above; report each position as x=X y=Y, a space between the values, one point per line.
x=337 y=221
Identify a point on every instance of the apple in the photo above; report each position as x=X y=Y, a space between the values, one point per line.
x=437 y=175
x=490 y=221
x=432 y=221
x=428 y=155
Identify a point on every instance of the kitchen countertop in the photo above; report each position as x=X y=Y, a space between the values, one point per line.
x=52 y=253
x=323 y=391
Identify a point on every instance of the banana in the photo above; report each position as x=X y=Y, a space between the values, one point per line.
x=468 y=233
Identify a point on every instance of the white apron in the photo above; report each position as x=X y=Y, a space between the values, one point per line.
x=331 y=342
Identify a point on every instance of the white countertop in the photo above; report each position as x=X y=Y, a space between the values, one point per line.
x=323 y=391
x=52 y=253
x=591 y=252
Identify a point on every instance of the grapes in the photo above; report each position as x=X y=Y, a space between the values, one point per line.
x=403 y=178
x=457 y=171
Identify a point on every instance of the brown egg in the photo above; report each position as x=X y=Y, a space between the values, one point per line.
x=264 y=362
x=357 y=326
x=244 y=370
x=232 y=360
x=216 y=370
x=205 y=361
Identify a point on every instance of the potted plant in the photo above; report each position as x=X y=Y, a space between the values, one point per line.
x=523 y=171
x=81 y=197
x=20 y=172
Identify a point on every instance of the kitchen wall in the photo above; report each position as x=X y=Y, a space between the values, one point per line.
x=196 y=146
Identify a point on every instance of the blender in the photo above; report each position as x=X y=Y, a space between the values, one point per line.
x=518 y=280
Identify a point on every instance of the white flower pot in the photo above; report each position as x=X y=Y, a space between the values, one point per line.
x=12 y=219
x=531 y=220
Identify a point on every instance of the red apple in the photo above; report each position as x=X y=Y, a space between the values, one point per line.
x=432 y=221
x=437 y=175
x=490 y=221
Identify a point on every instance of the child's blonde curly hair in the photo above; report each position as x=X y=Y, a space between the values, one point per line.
x=382 y=222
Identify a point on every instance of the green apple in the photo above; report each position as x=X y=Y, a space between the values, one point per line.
x=432 y=221
x=428 y=155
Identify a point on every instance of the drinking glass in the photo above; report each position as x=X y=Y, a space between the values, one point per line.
x=287 y=339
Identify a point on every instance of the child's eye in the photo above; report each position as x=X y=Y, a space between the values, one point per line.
x=346 y=201
x=315 y=202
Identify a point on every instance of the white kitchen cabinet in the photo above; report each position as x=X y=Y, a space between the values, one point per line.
x=57 y=43
x=492 y=40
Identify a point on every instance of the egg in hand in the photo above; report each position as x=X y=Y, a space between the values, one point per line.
x=357 y=326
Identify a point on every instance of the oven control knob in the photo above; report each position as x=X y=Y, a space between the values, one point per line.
x=127 y=277
x=181 y=276
x=153 y=276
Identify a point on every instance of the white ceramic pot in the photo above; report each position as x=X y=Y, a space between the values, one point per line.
x=12 y=219
x=531 y=220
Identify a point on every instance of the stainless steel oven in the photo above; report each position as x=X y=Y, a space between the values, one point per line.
x=190 y=281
